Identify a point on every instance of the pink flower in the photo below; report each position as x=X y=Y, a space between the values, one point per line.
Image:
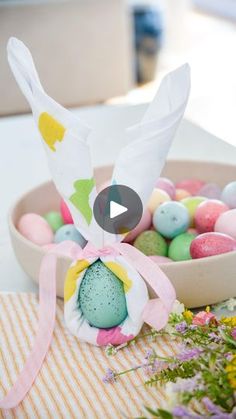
x=233 y=333
x=203 y=318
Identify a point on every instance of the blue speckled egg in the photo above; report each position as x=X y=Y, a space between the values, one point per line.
x=102 y=297
x=171 y=219
x=228 y=195
x=69 y=232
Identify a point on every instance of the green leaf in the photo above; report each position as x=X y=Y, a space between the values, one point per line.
x=159 y=413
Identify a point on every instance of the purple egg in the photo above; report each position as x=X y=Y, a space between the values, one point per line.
x=166 y=185
x=210 y=190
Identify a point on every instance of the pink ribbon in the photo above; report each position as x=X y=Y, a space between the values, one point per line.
x=155 y=313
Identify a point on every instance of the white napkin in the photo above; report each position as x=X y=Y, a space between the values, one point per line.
x=64 y=137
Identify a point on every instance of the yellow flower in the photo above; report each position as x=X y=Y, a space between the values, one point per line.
x=229 y=321
x=188 y=315
x=231 y=372
x=208 y=309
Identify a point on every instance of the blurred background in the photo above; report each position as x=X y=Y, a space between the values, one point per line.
x=117 y=51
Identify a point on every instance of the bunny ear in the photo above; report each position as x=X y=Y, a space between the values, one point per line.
x=140 y=163
x=64 y=138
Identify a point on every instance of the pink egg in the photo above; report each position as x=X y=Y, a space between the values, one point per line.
x=181 y=194
x=211 y=244
x=207 y=213
x=49 y=246
x=166 y=185
x=191 y=185
x=160 y=259
x=226 y=223
x=35 y=228
x=143 y=225
x=210 y=190
x=65 y=213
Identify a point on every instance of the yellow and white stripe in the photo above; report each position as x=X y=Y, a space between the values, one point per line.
x=70 y=382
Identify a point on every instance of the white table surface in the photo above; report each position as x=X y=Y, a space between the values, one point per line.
x=23 y=165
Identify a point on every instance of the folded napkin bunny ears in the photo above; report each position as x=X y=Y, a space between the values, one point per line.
x=65 y=140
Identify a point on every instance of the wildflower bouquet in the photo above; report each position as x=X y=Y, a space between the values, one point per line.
x=200 y=378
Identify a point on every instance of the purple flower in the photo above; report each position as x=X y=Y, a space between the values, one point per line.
x=182 y=412
x=214 y=409
x=155 y=367
x=110 y=377
x=229 y=356
x=193 y=327
x=233 y=333
x=181 y=327
x=185 y=385
x=188 y=354
x=149 y=355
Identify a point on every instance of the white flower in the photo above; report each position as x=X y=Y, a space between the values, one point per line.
x=178 y=308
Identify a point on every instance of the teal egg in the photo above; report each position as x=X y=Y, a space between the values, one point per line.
x=102 y=297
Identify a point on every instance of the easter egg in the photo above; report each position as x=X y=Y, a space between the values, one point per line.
x=102 y=297
x=207 y=213
x=35 y=228
x=191 y=185
x=69 y=232
x=210 y=191
x=151 y=243
x=166 y=185
x=54 y=219
x=226 y=223
x=158 y=196
x=171 y=219
x=191 y=203
x=179 y=248
x=211 y=244
x=65 y=213
x=143 y=225
x=228 y=195
x=181 y=194
x=160 y=259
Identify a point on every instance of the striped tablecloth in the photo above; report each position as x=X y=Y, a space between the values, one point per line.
x=70 y=383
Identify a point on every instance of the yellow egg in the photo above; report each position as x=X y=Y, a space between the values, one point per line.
x=157 y=198
x=191 y=203
x=181 y=194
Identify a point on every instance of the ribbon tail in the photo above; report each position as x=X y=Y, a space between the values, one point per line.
x=156 y=311
x=47 y=314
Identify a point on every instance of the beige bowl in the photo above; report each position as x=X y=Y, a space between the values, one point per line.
x=197 y=282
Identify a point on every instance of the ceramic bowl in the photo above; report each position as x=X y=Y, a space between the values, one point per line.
x=197 y=282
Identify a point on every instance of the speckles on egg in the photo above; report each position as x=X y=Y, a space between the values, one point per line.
x=102 y=297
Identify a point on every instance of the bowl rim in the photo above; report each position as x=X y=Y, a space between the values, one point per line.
x=201 y=261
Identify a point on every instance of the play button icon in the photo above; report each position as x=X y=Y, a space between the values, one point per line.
x=118 y=209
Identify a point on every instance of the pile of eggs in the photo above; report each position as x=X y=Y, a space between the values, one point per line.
x=187 y=220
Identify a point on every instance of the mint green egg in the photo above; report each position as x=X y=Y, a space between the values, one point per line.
x=54 y=219
x=102 y=297
x=179 y=248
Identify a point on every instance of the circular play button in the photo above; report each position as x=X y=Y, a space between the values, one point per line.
x=118 y=209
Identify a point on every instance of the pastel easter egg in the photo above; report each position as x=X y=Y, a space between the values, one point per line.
x=151 y=243
x=226 y=223
x=54 y=219
x=179 y=248
x=181 y=194
x=69 y=232
x=191 y=185
x=210 y=191
x=191 y=203
x=166 y=185
x=171 y=219
x=228 y=195
x=65 y=213
x=211 y=244
x=35 y=228
x=157 y=198
x=143 y=225
x=207 y=213
x=102 y=297
x=48 y=247
x=160 y=259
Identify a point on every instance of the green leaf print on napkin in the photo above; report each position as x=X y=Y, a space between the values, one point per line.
x=80 y=199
